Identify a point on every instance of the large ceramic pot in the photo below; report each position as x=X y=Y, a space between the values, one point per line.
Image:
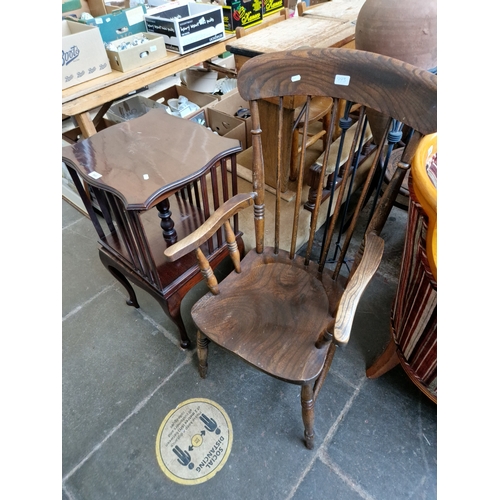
x=403 y=29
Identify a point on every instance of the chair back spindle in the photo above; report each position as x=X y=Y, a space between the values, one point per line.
x=348 y=115
x=288 y=304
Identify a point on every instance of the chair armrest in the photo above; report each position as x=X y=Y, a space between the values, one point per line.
x=372 y=255
x=209 y=227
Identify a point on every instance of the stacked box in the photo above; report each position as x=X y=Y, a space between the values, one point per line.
x=188 y=26
x=139 y=55
x=226 y=126
x=83 y=54
x=235 y=106
x=119 y=23
x=272 y=6
x=244 y=14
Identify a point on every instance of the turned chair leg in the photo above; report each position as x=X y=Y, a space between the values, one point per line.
x=132 y=300
x=307 y=402
x=315 y=189
x=385 y=362
x=202 y=344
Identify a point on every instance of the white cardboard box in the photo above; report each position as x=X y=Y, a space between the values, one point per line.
x=187 y=26
x=83 y=54
x=139 y=55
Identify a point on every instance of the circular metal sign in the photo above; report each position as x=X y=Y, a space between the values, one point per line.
x=194 y=441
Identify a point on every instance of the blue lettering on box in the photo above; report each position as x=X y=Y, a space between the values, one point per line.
x=70 y=55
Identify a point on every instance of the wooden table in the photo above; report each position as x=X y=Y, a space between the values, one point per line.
x=342 y=10
x=144 y=176
x=294 y=33
x=79 y=100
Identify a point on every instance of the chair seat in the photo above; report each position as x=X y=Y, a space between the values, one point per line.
x=320 y=106
x=270 y=315
x=284 y=313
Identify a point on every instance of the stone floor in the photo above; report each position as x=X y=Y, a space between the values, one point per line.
x=123 y=372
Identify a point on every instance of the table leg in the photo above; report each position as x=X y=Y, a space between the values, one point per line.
x=86 y=124
x=87 y=129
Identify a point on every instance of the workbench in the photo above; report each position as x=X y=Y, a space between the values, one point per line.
x=322 y=31
x=324 y=25
x=100 y=92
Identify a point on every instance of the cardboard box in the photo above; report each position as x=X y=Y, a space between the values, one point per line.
x=99 y=7
x=200 y=117
x=188 y=26
x=271 y=6
x=75 y=8
x=157 y=3
x=199 y=79
x=242 y=13
x=225 y=60
x=131 y=108
x=83 y=54
x=119 y=23
x=204 y=101
x=227 y=126
x=232 y=104
x=139 y=55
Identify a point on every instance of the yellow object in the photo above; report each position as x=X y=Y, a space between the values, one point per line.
x=426 y=194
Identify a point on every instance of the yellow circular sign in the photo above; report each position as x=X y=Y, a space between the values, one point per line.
x=194 y=441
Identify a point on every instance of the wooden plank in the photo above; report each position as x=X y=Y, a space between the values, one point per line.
x=114 y=77
x=342 y=10
x=294 y=33
x=88 y=95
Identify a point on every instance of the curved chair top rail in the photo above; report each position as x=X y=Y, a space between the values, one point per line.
x=383 y=83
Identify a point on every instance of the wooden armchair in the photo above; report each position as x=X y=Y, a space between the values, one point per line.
x=283 y=309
